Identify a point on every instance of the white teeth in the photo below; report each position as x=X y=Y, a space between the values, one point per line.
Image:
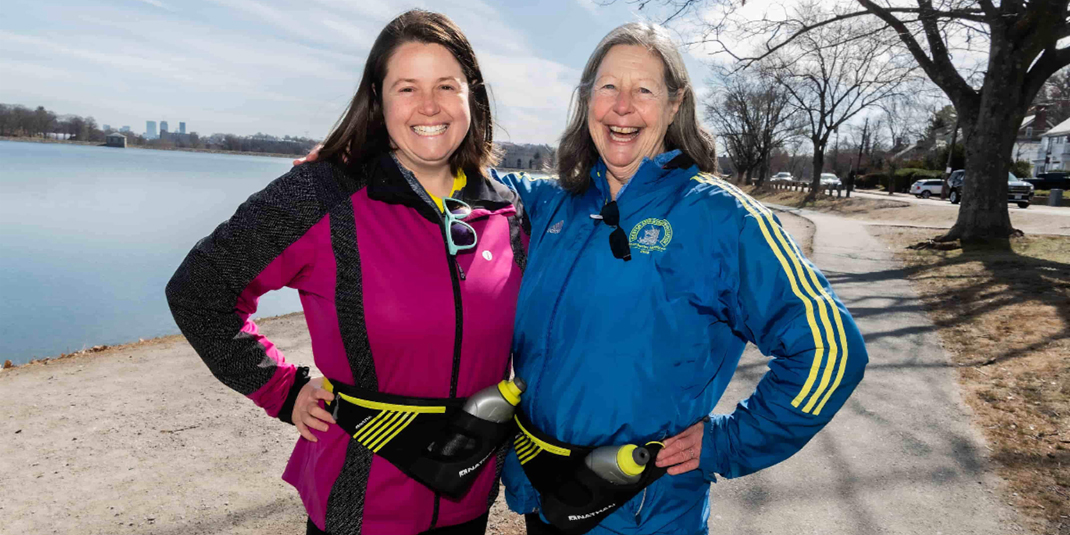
x=430 y=130
x=623 y=130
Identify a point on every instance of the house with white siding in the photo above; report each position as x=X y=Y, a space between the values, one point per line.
x=1053 y=152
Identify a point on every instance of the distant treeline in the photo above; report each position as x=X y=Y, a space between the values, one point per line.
x=20 y=121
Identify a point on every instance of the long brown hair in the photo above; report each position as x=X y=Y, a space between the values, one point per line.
x=577 y=153
x=360 y=135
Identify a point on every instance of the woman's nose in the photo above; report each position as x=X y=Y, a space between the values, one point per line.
x=623 y=104
x=429 y=104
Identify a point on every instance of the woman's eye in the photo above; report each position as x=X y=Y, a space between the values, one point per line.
x=406 y=90
x=645 y=91
x=446 y=87
x=609 y=87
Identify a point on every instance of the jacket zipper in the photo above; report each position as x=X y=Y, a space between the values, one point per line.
x=456 y=276
x=557 y=302
x=640 y=510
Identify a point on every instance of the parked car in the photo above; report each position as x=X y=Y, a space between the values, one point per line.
x=1017 y=191
x=829 y=179
x=923 y=189
x=1060 y=180
x=781 y=176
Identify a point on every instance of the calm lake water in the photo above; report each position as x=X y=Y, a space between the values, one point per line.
x=89 y=237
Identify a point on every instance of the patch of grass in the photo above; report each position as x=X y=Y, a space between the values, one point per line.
x=1004 y=318
x=824 y=203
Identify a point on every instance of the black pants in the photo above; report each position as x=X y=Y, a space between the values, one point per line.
x=536 y=526
x=473 y=527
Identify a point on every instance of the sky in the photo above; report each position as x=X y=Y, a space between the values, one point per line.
x=284 y=67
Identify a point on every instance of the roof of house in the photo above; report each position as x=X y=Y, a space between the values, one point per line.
x=116 y=134
x=1060 y=129
x=1028 y=120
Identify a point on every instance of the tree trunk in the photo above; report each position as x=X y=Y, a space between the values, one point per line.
x=819 y=165
x=763 y=171
x=989 y=139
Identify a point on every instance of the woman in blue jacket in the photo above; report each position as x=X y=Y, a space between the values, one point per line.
x=646 y=278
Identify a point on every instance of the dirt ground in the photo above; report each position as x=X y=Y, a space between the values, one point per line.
x=1004 y=317
x=141 y=438
x=899 y=212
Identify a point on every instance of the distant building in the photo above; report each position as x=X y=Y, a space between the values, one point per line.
x=115 y=140
x=163 y=127
x=1029 y=143
x=125 y=129
x=175 y=137
x=150 y=129
x=106 y=127
x=1054 y=151
x=532 y=157
x=181 y=128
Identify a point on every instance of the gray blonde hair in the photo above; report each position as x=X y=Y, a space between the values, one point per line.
x=577 y=154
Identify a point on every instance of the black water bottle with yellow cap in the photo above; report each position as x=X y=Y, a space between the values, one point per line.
x=495 y=403
x=620 y=465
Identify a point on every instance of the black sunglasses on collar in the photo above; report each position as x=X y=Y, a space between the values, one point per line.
x=618 y=240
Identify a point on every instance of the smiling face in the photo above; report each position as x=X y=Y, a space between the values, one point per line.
x=630 y=109
x=425 y=106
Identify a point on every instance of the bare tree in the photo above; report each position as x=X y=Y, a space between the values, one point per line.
x=751 y=114
x=1056 y=94
x=1020 y=42
x=731 y=112
x=903 y=119
x=832 y=74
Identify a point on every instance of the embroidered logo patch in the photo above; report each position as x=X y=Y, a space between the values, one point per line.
x=556 y=227
x=650 y=235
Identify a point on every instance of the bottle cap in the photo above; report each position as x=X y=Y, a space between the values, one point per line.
x=511 y=392
x=632 y=459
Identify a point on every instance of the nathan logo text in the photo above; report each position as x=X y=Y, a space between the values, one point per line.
x=575 y=518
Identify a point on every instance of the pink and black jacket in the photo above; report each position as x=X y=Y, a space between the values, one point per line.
x=387 y=308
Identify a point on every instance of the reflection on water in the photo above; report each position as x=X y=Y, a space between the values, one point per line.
x=89 y=237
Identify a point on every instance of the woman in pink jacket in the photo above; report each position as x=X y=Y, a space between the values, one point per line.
x=403 y=300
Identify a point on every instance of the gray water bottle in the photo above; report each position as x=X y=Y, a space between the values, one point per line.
x=620 y=465
x=494 y=403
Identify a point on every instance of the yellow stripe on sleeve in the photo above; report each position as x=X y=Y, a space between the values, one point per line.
x=819 y=344
x=803 y=268
x=843 y=341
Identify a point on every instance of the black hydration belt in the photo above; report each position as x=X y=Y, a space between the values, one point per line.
x=574 y=498
x=409 y=432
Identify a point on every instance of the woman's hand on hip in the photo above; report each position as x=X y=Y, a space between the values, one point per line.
x=307 y=411
x=682 y=452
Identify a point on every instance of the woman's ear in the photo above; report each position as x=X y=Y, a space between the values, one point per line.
x=676 y=105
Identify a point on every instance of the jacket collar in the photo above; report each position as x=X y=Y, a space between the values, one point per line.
x=391 y=183
x=652 y=173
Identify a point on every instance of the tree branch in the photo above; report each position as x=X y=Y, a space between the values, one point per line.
x=939 y=68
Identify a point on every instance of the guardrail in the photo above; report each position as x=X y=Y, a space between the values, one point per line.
x=830 y=190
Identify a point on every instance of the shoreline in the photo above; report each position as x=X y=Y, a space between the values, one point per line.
x=171 y=149
x=140 y=342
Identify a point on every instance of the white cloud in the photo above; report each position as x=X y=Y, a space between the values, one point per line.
x=283 y=67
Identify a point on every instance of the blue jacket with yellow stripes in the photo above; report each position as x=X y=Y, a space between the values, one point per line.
x=618 y=352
